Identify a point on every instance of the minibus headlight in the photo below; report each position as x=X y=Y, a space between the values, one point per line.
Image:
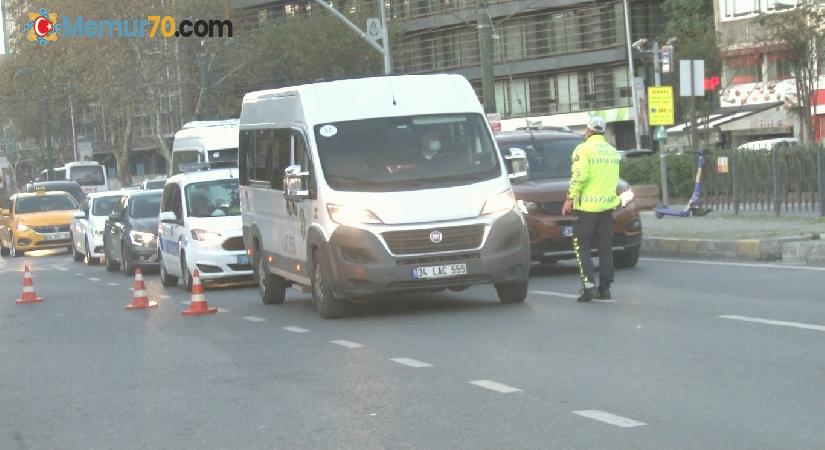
x=204 y=235
x=499 y=203
x=351 y=215
x=140 y=238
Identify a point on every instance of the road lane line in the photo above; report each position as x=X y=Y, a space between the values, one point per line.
x=112 y=284
x=223 y=310
x=804 y=326
x=495 y=386
x=561 y=294
x=347 y=344
x=296 y=329
x=94 y=279
x=78 y=274
x=254 y=319
x=612 y=419
x=409 y=362
x=735 y=264
x=184 y=302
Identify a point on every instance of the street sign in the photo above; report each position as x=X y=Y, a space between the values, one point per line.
x=374 y=28
x=692 y=78
x=661 y=133
x=667 y=59
x=660 y=105
x=722 y=164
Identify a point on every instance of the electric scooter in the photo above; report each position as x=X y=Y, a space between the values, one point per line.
x=694 y=206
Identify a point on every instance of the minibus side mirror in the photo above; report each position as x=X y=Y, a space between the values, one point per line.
x=296 y=183
x=168 y=217
x=517 y=165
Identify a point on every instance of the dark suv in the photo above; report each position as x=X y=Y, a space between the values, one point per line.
x=130 y=236
x=549 y=154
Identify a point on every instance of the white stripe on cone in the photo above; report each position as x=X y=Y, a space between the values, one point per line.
x=198 y=298
x=139 y=294
x=28 y=289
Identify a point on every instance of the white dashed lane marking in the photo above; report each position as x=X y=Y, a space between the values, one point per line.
x=94 y=279
x=782 y=323
x=409 y=362
x=612 y=419
x=254 y=319
x=347 y=344
x=223 y=310
x=495 y=386
x=78 y=274
x=296 y=329
x=561 y=294
x=112 y=284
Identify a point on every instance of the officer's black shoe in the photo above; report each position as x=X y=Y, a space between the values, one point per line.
x=587 y=295
x=604 y=294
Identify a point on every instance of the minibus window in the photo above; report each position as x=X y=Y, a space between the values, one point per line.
x=88 y=175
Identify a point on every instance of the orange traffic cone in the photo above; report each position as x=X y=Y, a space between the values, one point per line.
x=139 y=298
x=197 y=304
x=28 y=289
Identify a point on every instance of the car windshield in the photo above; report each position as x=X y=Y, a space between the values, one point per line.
x=401 y=153
x=43 y=203
x=548 y=158
x=144 y=206
x=103 y=206
x=213 y=198
x=88 y=175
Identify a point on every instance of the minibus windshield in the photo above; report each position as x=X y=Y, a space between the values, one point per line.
x=402 y=153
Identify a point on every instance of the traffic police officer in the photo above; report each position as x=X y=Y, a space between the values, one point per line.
x=592 y=198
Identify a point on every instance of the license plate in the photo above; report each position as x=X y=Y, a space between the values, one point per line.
x=56 y=236
x=243 y=259
x=567 y=231
x=451 y=270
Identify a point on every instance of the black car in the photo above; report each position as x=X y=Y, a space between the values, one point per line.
x=71 y=187
x=130 y=235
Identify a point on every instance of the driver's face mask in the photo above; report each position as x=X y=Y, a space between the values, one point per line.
x=432 y=148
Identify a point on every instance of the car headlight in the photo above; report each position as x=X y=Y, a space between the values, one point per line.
x=499 y=203
x=97 y=232
x=204 y=235
x=141 y=238
x=626 y=197
x=22 y=227
x=351 y=215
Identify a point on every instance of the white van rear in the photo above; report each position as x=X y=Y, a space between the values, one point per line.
x=214 y=142
x=360 y=187
x=90 y=175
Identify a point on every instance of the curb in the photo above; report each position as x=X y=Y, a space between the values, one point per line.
x=805 y=249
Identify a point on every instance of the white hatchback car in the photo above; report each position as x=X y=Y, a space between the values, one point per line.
x=200 y=228
x=88 y=224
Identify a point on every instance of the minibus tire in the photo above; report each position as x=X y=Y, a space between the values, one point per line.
x=325 y=302
x=512 y=292
x=165 y=279
x=111 y=265
x=271 y=287
x=76 y=256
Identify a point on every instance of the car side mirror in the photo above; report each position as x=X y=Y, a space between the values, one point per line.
x=79 y=215
x=517 y=166
x=115 y=217
x=296 y=183
x=168 y=217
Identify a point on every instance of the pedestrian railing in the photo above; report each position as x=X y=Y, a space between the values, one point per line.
x=787 y=180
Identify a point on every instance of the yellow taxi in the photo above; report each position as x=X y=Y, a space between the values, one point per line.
x=36 y=221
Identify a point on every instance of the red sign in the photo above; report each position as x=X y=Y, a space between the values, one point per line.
x=712 y=83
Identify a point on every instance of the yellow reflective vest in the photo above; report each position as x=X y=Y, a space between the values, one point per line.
x=595 y=175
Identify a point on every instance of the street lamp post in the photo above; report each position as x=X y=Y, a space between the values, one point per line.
x=632 y=75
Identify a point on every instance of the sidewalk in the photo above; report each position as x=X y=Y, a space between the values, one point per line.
x=749 y=236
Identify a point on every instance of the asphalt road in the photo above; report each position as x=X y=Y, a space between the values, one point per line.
x=689 y=355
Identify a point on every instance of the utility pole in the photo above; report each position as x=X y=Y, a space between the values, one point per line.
x=385 y=38
x=485 y=48
x=47 y=124
x=71 y=114
x=694 y=144
x=657 y=78
x=632 y=75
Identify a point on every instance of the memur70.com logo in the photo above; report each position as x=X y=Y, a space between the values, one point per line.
x=44 y=27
